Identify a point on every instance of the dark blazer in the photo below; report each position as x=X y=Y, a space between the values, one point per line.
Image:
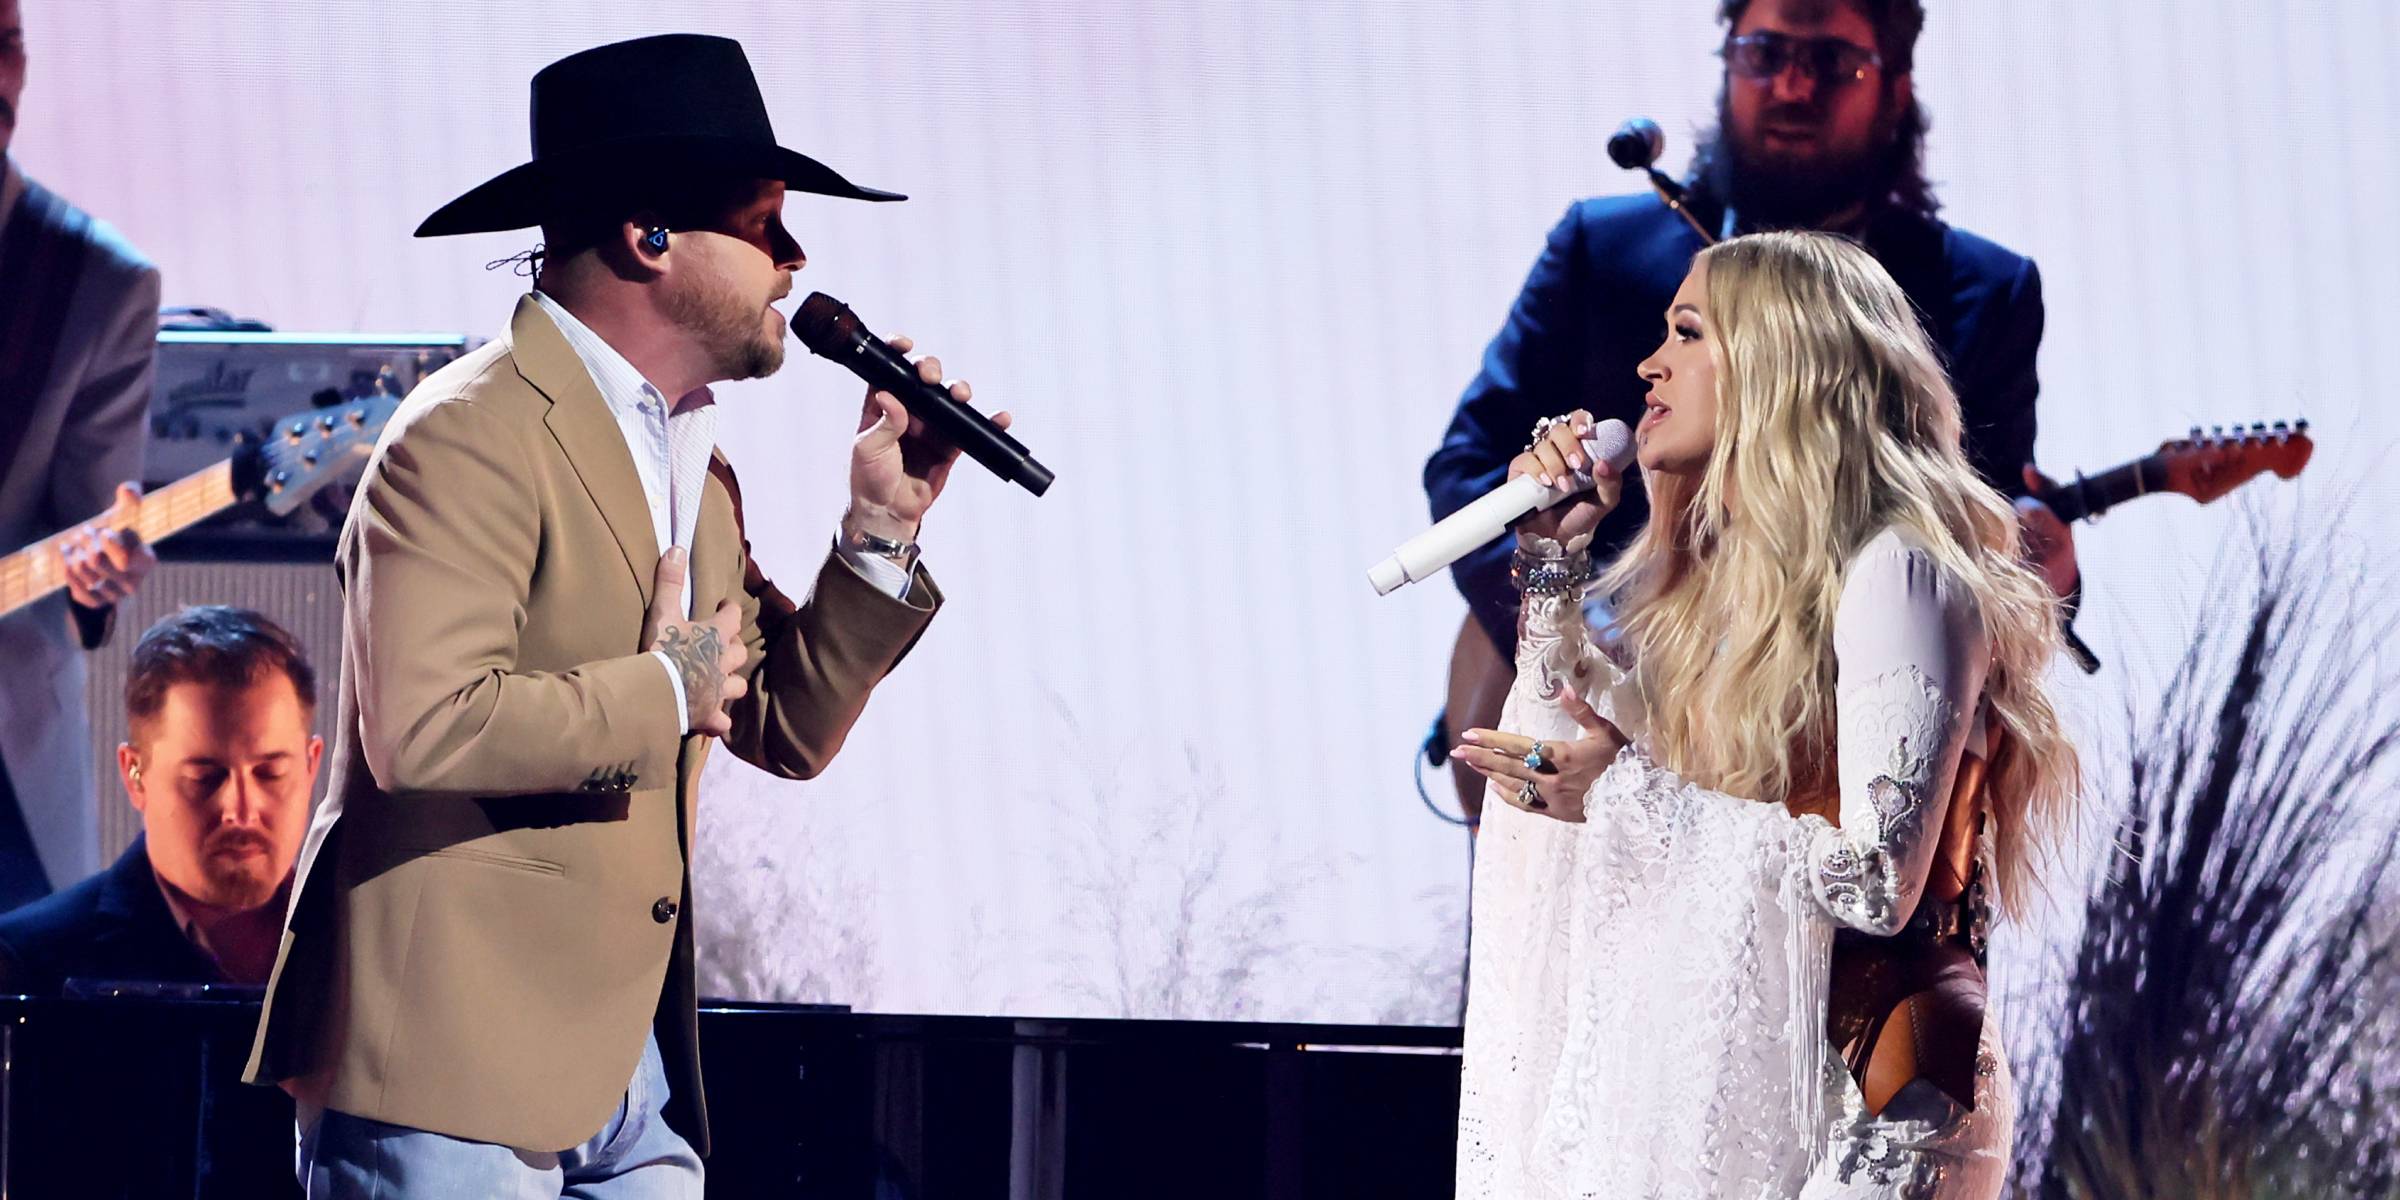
x=1595 y=306
x=135 y=1076
x=114 y=925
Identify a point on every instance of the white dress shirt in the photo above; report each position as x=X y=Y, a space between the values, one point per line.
x=671 y=445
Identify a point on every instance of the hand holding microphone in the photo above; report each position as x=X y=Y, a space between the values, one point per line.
x=1572 y=456
x=899 y=462
x=829 y=329
x=1570 y=453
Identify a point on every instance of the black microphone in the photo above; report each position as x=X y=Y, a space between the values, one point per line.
x=1636 y=144
x=829 y=329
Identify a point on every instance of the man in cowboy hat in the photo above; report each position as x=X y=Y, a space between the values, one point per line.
x=486 y=984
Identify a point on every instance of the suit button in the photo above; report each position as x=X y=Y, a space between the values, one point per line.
x=663 y=911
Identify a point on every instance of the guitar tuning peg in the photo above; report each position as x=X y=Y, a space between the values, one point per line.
x=2195 y=434
x=2216 y=432
x=2300 y=425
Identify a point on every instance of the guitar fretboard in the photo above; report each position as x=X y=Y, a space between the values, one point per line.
x=38 y=570
x=2097 y=493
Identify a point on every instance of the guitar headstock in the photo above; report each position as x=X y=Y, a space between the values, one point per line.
x=308 y=450
x=2207 y=465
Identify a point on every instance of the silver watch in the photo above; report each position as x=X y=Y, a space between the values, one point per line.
x=900 y=554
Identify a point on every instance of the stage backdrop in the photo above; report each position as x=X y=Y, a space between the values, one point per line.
x=1230 y=263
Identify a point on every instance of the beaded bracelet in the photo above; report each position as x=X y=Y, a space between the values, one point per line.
x=1551 y=574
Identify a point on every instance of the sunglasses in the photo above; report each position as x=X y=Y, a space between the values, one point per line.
x=1830 y=61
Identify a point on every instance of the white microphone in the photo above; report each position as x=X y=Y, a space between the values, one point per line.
x=1489 y=515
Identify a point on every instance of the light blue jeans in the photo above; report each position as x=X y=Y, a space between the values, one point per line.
x=635 y=1156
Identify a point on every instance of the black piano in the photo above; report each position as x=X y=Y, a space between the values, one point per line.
x=131 y=1091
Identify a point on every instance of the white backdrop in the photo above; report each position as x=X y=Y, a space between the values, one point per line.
x=1231 y=263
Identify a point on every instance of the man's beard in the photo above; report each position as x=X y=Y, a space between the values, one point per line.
x=1769 y=192
x=239 y=881
x=730 y=330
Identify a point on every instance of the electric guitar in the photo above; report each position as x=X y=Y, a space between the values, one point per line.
x=2203 y=466
x=305 y=452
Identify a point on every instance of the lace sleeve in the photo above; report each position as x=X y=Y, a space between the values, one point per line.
x=1912 y=658
x=1555 y=652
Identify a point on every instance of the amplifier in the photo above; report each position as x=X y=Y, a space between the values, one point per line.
x=216 y=388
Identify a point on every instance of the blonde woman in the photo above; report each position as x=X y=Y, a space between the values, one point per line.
x=1729 y=920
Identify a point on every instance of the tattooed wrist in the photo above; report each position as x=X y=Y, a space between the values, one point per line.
x=695 y=650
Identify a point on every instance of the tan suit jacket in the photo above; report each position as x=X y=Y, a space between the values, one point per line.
x=494 y=900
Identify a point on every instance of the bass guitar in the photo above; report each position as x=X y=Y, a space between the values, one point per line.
x=305 y=452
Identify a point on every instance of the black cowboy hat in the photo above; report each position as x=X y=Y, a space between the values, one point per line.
x=681 y=99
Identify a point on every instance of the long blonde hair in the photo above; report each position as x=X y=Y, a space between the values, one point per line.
x=1834 y=421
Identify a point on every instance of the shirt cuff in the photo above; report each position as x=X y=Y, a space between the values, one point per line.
x=683 y=705
x=886 y=575
x=93 y=625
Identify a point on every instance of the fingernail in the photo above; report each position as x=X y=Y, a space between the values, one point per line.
x=1575 y=461
x=1457 y=752
x=1471 y=736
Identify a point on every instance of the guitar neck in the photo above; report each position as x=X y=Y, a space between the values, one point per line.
x=2095 y=494
x=38 y=569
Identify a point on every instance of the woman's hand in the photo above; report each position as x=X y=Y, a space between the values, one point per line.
x=1566 y=772
x=1552 y=460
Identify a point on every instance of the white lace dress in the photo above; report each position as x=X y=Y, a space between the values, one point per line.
x=1647 y=1012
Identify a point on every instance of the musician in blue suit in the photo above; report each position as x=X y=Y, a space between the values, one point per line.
x=1817 y=128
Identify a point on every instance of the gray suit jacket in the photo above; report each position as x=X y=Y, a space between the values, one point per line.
x=83 y=431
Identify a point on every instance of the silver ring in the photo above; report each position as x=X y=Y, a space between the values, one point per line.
x=1537 y=758
x=1531 y=796
x=1541 y=432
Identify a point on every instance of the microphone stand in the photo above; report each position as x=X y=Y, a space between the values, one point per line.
x=1672 y=193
